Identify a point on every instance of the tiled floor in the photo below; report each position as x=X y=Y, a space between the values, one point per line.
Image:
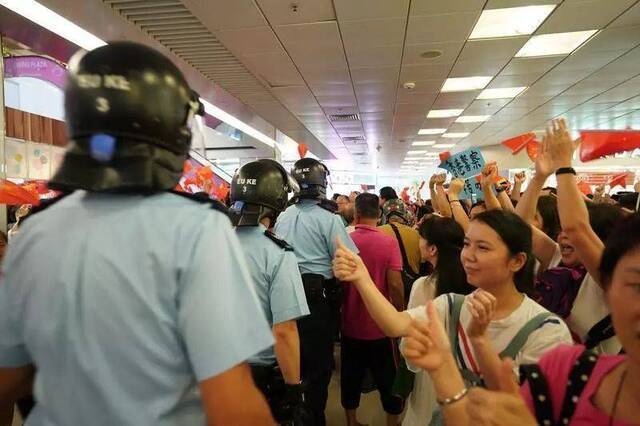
x=370 y=412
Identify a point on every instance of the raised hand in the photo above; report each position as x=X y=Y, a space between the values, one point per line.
x=520 y=177
x=482 y=306
x=427 y=344
x=544 y=161
x=561 y=146
x=501 y=407
x=489 y=174
x=455 y=187
x=348 y=266
x=441 y=178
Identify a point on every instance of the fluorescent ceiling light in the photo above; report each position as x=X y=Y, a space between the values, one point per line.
x=445 y=145
x=45 y=17
x=431 y=154
x=227 y=160
x=554 y=44
x=463 y=84
x=423 y=143
x=472 y=118
x=431 y=131
x=503 y=93
x=454 y=136
x=509 y=22
x=416 y=152
x=238 y=124
x=444 y=113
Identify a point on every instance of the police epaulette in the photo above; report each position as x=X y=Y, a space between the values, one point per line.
x=45 y=204
x=280 y=242
x=215 y=204
x=328 y=205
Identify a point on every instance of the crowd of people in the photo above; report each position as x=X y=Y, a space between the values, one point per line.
x=124 y=302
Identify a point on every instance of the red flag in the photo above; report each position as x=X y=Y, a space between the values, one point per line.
x=584 y=187
x=533 y=147
x=444 y=156
x=619 y=179
x=222 y=191
x=13 y=194
x=598 y=143
x=518 y=143
x=302 y=150
x=405 y=194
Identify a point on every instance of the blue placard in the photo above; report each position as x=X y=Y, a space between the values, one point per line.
x=467 y=165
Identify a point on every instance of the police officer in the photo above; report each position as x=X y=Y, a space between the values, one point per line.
x=311 y=226
x=131 y=304
x=259 y=193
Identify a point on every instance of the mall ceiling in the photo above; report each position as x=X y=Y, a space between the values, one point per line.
x=338 y=69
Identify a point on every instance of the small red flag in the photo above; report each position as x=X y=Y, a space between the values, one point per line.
x=518 y=143
x=585 y=188
x=620 y=179
x=302 y=150
x=444 y=156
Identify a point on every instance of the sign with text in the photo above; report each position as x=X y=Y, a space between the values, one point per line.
x=467 y=165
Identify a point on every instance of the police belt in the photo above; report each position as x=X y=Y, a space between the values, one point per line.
x=267 y=377
x=318 y=288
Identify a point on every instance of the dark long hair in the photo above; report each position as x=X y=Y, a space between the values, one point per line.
x=622 y=240
x=548 y=209
x=516 y=234
x=448 y=236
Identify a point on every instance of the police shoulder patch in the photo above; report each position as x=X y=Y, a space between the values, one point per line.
x=328 y=205
x=215 y=204
x=279 y=241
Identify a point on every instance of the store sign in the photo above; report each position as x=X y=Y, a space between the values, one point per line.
x=603 y=178
x=35 y=67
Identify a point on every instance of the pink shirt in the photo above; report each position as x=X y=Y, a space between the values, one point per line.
x=379 y=252
x=556 y=366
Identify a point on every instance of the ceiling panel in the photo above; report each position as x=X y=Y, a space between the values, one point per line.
x=374 y=74
x=280 y=12
x=630 y=17
x=276 y=68
x=409 y=97
x=226 y=15
x=329 y=89
x=519 y=66
x=480 y=68
x=375 y=56
x=485 y=107
x=440 y=28
x=321 y=57
x=501 y=4
x=310 y=35
x=366 y=34
x=250 y=40
x=424 y=72
x=488 y=50
x=356 y=10
x=502 y=81
x=435 y=7
x=583 y=15
x=327 y=76
x=455 y=100
x=337 y=101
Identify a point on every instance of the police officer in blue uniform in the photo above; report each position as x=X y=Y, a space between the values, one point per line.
x=130 y=304
x=311 y=226
x=259 y=193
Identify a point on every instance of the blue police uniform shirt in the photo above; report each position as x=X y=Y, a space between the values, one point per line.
x=277 y=282
x=124 y=303
x=312 y=231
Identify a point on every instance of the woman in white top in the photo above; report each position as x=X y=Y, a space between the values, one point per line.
x=568 y=276
x=441 y=241
x=497 y=259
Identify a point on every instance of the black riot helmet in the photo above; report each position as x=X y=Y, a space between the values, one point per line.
x=312 y=178
x=128 y=111
x=259 y=189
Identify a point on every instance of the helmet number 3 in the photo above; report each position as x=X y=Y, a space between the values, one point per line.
x=244 y=189
x=102 y=104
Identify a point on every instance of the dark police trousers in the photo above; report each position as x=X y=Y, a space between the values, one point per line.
x=317 y=335
x=271 y=383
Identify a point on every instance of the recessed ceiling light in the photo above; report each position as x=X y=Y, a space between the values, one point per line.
x=227 y=160
x=444 y=113
x=455 y=135
x=554 y=44
x=503 y=93
x=512 y=21
x=462 y=84
x=416 y=152
x=431 y=131
x=431 y=54
x=444 y=145
x=472 y=118
x=423 y=143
